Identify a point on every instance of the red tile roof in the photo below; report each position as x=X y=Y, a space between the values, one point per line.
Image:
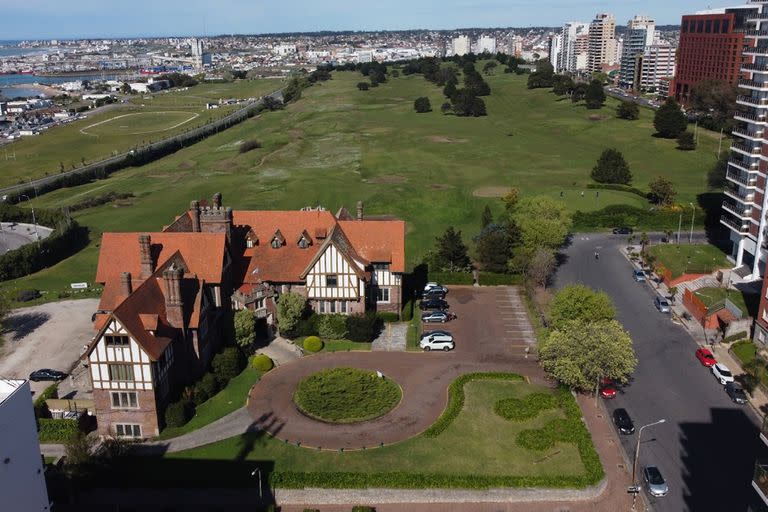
x=378 y=241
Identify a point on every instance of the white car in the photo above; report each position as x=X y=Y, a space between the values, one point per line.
x=722 y=373
x=436 y=340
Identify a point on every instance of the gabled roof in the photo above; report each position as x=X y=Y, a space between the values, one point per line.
x=378 y=241
x=342 y=244
x=203 y=253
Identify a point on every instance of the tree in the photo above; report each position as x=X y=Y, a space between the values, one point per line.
x=422 y=105
x=686 y=141
x=540 y=267
x=669 y=120
x=451 y=254
x=580 y=354
x=612 y=168
x=466 y=104
x=715 y=97
x=495 y=245
x=245 y=329
x=79 y=450
x=543 y=76
x=489 y=66
x=290 y=309
x=662 y=191
x=446 y=107
x=450 y=89
x=510 y=199
x=577 y=302
x=363 y=86
x=395 y=73
x=543 y=222
x=562 y=85
x=628 y=110
x=595 y=95
x=487 y=216
x=716 y=175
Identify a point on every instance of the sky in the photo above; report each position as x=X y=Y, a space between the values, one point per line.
x=44 y=19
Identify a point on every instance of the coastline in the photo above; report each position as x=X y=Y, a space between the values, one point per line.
x=47 y=90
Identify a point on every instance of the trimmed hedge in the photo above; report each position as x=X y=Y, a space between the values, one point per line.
x=456 y=398
x=620 y=188
x=56 y=431
x=496 y=279
x=262 y=362
x=408 y=311
x=484 y=278
x=457 y=278
x=313 y=344
x=363 y=328
x=625 y=215
x=363 y=508
x=41 y=408
x=736 y=337
x=516 y=409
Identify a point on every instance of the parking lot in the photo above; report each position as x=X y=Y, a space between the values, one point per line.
x=48 y=336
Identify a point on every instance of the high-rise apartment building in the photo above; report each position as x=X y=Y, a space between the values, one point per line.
x=486 y=44
x=656 y=67
x=555 y=51
x=746 y=200
x=602 y=42
x=571 y=43
x=639 y=35
x=710 y=48
x=461 y=45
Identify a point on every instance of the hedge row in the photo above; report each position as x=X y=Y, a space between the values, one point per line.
x=736 y=337
x=484 y=278
x=40 y=407
x=456 y=278
x=620 y=188
x=625 y=215
x=456 y=398
x=56 y=431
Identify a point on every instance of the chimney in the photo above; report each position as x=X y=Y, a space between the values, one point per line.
x=217 y=200
x=174 y=305
x=359 y=210
x=145 y=256
x=194 y=213
x=125 y=284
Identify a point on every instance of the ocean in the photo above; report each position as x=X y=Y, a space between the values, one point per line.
x=7 y=83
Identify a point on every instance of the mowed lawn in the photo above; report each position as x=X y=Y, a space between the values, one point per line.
x=690 y=258
x=338 y=145
x=143 y=119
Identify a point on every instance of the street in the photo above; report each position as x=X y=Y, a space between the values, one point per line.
x=707 y=447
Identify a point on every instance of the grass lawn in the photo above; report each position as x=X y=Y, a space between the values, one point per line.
x=744 y=351
x=338 y=145
x=478 y=449
x=413 y=335
x=714 y=297
x=228 y=400
x=690 y=259
x=344 y=346
x=346 y=395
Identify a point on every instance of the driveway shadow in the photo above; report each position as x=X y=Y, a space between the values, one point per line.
x=23 y=324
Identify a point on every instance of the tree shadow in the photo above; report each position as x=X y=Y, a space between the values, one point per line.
x=23 y=324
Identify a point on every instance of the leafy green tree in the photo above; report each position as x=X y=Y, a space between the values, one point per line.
x=422 y=105
x=669 y=120
x=562 y=85
x=579 y=92
x=450 y=89
x=577 y=302
x=595 y=95
x=451 y=254
x=580 y=354
x=543 y=77
x=662 y=191
x=612 y=168
x=446 y=107
x=489 y=66
x=495 y=245
x=466 y=104
x=716 y=175
x=628 y=110
x=543 y=222
x=245 y=329
x=363 y=86
x=715 y=97
x=510 y=199
x=686 y=141
x=79 y=450
x=290 y=309
x=487 y=216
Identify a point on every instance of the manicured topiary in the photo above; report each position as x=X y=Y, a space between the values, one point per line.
x=262 y=362
x=313 y=344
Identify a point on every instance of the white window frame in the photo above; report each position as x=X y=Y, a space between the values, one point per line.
x=132 y=430
x=124 y=400
x=380 y=292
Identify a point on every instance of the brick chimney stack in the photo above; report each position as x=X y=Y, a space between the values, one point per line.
x=194 y=213
x=217 y=200
x=174 y=305
x=359 y=210
x=126 y=287
x=145 y=256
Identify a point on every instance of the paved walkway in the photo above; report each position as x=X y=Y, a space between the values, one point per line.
x=391 y=339
x=281 y=351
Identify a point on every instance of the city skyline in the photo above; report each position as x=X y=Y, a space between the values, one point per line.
x=141 y=18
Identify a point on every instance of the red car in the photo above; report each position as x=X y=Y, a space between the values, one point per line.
x=608 y=389
x=705 y=357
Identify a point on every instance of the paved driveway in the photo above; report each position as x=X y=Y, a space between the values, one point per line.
x=47 y=336
x=486 y=340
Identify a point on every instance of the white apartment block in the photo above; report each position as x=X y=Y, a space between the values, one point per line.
x=461 y=45
x=657 y=63
x=486 y=44
x=573 y=42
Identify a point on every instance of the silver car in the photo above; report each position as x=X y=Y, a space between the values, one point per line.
x=662 y=305
x=654 y=482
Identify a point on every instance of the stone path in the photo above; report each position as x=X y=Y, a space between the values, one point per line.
x=391 y=339
x=281 y=351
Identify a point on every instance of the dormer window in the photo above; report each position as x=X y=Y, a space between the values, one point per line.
x=278 y=240
x=251 y=240
x=304 y=240
x=276 y=243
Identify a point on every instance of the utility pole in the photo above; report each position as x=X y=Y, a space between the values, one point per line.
x=720 y=144
x=679 y=228
x=636 y=488
x=693 y=213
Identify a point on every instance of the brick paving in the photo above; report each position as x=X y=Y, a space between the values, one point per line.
x=391 y=339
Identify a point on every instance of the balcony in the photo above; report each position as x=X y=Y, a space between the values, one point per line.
x=744 y=165
x=760 y=50
x=760 y=480
x=749 y=150
x=743 y=212
x=756 y=136
x=757 y=17
x=751 y=101
x=742 y=197
x=741 y=179
x=756 y=33
x=751 y=84
x=738 y=227
x=760 y=68
x=749 y=117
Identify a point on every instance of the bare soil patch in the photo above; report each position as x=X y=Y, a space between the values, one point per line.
x=445 y=140
x=387 y=180
x=597 y=117
x=439 y=186
x=491 y=191
x=187 y=164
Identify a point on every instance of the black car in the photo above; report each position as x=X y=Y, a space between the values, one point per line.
x=622 y=231
x=47 y=374
x=433 y=304
x=623 y=422
x=736 y=393
x=434 y=293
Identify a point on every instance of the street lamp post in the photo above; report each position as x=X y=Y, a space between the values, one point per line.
x=37 y=235
x=637 y=456
x=693 y=214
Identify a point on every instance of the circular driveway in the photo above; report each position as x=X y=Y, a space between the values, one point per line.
x=490 y=336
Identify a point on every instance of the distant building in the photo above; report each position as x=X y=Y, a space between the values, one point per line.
x=574 y=37
x=486 y=44
x=517 y=46
x=640 y=34
x=3 y=108
x=22 y=477
x=602 y=43
x=657 y=63
x=461 y=45
x=365 y=56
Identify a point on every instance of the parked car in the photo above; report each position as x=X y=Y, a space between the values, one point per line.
x=736 y=393
x=435 y=286
x=639 y=276
x=433 y=304
x=436 y=340
x=654 y=482
x=622 y=231
x=608 y=389
x=722 y=373
x=705 y=357
x=434 y=293
x=662 y=305
x=47 y=374
x=437 y=316
x=623 y=422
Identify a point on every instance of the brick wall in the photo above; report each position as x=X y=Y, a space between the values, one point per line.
x=145 y=415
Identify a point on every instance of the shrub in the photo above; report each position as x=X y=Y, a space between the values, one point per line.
x=686 y=141
x=27 y=295
x=332 y=327
x=628 y=110
x=458 y=278
x=57 y=431
x=228 y=364
x=497 y=279
x=206 y=388
x=388 y=317
x=363 y=508
x=624 y=215
x=178 y=413
x=313 y=344
x=363 y=86
x=422 y=105
x=408 y=311
x=262 y=362
x=735 y=337
x=363 y=328
x=41 y=408
x=305 y=327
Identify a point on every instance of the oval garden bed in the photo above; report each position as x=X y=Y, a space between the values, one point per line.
x=346 y=395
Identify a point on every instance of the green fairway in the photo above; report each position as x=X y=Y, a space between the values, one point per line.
x=338 y=145
x=689 y=258
x=138 y=123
